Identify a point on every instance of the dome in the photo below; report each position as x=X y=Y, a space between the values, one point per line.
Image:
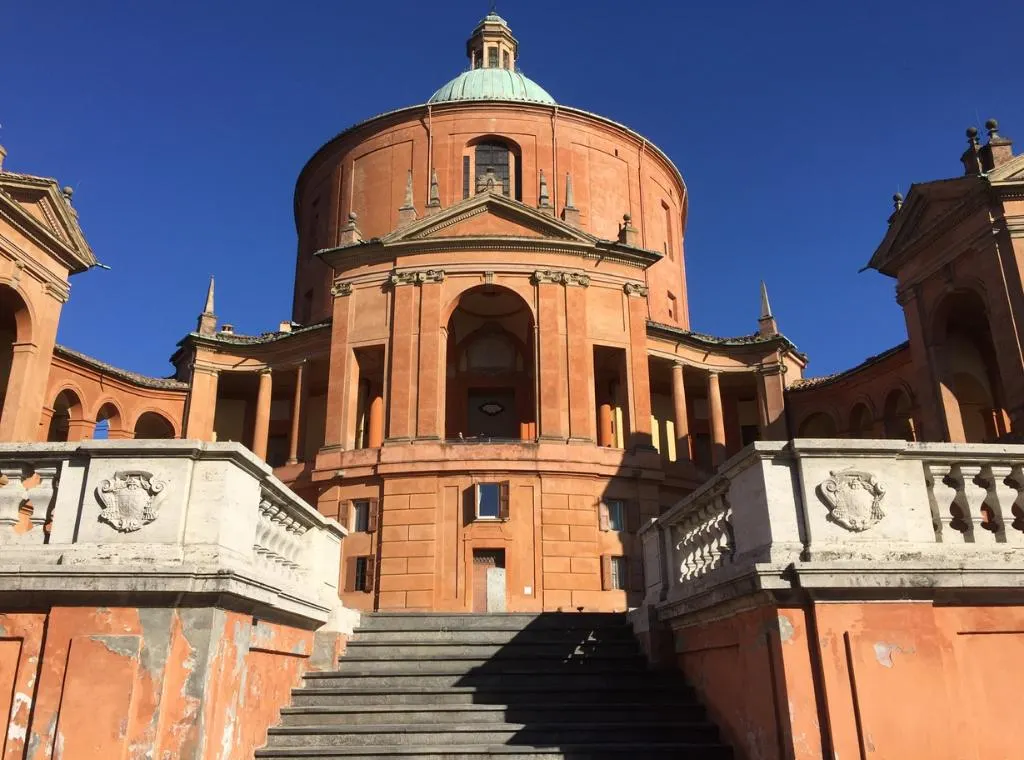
x=492 y=84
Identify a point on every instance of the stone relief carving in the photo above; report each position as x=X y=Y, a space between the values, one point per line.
x=561 y=277
x=854 y=498
x=635 y=289
x=130 y=499
x=417 y=277
x=341 y=289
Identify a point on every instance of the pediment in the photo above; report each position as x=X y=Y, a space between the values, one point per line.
x=488 y=216
x=38 y=207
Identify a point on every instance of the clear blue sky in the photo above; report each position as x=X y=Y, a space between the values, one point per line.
x=183 y=125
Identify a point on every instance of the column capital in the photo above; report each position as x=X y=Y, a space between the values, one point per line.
x=415 y=277
x=341 y=289
x=265 y=371
x=712 y=372
x=560 y=277
x=635 y=289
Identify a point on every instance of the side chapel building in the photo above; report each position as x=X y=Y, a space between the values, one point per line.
x=490 y=365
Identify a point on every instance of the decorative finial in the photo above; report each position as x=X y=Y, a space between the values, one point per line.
x=897 y=201
x=570 y=202
x=352 y=217
x=408 y=190
x=993 y=129
x=434 y=201
x=209 y=298
x=972 y=137
x=67 y=191
x=766 y=308
x=545 y=199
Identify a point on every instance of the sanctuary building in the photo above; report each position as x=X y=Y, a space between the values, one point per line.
x=489 y=375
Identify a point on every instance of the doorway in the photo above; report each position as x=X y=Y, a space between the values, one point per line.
x=489 y=580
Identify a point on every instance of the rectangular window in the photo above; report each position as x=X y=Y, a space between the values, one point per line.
x=671 y=307
x=361 y=580
x=491 y=501
x=505 y=59
x=618 y=579
x=361 y=516
x=616 y=514
x=465 y=176
x=492 y=57
x=668 y=230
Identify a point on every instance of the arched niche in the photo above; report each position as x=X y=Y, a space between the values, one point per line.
x=67 y=407
x=489 y=387
x=15 y=327
x=153 y=425
x=861 y=421
x=818 y=425
x=898 y=416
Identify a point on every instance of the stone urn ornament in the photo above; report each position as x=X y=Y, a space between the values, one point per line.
x=130 y=499
x=854 y=498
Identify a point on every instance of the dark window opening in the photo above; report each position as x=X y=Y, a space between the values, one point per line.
x=505 y=59
x=492 y=167
x=491 y=501
x=361 y=519
x=616 y=514
x=749 y=434
x=361 y=576
x=465 y=176
x=306 y=313
x=618 y=580
x=492 y=57
x=478 y=59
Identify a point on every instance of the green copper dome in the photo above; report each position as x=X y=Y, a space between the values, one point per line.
x=492 y=84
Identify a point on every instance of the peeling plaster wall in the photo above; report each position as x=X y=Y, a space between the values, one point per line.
x=143 y=683
x=891 y=680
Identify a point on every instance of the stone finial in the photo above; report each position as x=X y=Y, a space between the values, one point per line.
x=68 y=192
x=544 y=199
x=971 y=158
x=897 y=204
x=434 y=199
x=208 y=319
x=766 y=325
x=350 y=232
x=628 y=234
x=997 y=151
x=570 y=214
x=407 y=211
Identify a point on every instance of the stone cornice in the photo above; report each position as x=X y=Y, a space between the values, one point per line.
x=635 y=289
x=415 y=277
x=341 y=289
x=75 y=253
x=54 y=285
x=560 y=277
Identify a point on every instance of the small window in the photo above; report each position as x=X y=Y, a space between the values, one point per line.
x=671 y=307
x=361 y=575
x=616 y=514
x=618 y=579
x=478 y=59
x=505 y=59
x=492 y=57
x=361 y=520
x=465 y=176
x=491 y=501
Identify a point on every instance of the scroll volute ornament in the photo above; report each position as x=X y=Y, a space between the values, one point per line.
x=130 y=499
x=854 y=498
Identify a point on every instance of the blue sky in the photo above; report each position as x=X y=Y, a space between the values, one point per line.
x=182 y=127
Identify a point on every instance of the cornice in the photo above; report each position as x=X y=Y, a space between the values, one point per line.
x=61 y=250
x=54 y=285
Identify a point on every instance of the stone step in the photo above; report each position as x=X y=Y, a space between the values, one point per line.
x=485 y=714
x=474 y=666
x=483 y=682
x=411 y=621
x=341 y=696
x=508 y=734
x=625 y=751
x=371 y=649
x=496 y=636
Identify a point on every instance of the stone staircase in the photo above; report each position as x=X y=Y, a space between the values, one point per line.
x=535 y=687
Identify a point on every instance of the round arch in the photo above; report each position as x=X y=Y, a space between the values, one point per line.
x=861 y=420
x=495 y=159
x=67 y=408
x=818 y=424
x=512 y=288
x=109 y=420
x=898 y=414
x=16 y=322
x=153 y=425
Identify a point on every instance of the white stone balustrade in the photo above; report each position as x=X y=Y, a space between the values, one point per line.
x=843 y=514
x=163 y=517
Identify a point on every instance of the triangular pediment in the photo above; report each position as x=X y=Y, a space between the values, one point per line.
x=37 y=205
x=489 y=215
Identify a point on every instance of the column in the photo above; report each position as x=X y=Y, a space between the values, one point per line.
x=80 y=430
x=580 y=362
x=201 y=408
x=262 y=427
x=19 y=422
x=682 y=423
x=338 y=373
x=605 y=423
x=375 y=436
x=927 y=386
x=431 y=379
x=403 y=362
x=771 y=403
x=717 y=420
x=297 y=410
x=551 y=383
x=640 y=382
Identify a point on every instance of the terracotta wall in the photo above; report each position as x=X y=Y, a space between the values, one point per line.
x=868 y=680
x=92 y=683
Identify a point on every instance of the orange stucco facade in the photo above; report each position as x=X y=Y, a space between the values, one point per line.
x=490 y=362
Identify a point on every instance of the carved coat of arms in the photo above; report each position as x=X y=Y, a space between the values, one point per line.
x=130 y=499
x=854 y=498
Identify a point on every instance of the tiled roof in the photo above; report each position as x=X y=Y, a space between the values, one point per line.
x=237 y=339
x=815 y=382
x=715 y=340
x=161 y=383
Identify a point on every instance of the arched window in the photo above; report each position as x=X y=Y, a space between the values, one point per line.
x=153 y=425
x=492 y=167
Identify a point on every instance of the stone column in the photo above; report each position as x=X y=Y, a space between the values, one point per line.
x=431 y=377
x=580 y=360
x=927 y=386
x=681 y=421
x=201 y=407
x=18 y=422
x=640 y=381
x=403 y=362
x=80 y=430
x=551 y=381
x=297 y=411
x=771 y=403
x=341 y=362
x=605 y=424
x=717 y=419
x=262 y=427
x=375 y=435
